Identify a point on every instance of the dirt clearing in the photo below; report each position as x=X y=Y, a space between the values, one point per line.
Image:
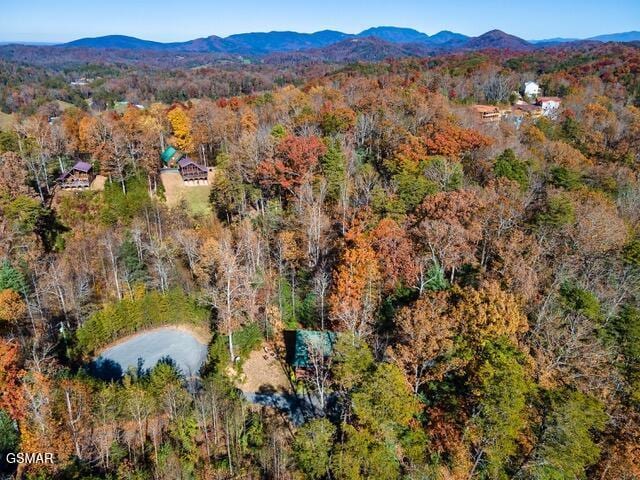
x=262 y=370
x=98 y=183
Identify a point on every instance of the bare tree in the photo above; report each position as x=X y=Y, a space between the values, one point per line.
x=321 y=282
x=319 y=368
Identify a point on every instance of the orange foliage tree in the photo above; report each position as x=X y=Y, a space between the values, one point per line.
x=396 y=255
x=40 y=429
x=12 y=307
x=356 y=284
x=11 y=399
x=452 y=140
x=425 y=332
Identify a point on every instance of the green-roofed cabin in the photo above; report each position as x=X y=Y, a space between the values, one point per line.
x=170 y=156
x=300 y=342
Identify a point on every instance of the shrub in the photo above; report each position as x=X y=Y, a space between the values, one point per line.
x=565 y=178
x=582 y=301
x=11 y=279
x=245 y=341
x=9 y=437
x=631 y=253
x=142 y=310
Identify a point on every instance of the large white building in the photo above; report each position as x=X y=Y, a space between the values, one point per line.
x=532 y=89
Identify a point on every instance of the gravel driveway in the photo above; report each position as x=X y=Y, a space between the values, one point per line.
x=150 y=347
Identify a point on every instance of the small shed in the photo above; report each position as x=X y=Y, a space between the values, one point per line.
x=170 y=156
x=192 y=172
x=299 y=343
x=78 y=177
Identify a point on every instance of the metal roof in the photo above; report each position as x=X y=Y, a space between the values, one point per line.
x=168 y=154
x=298 y=346
x=79 y=166
x=82 y=167
x=183 y=162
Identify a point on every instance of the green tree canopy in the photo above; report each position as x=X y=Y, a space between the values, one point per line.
x=567 y=446
x=11 y=278
x=502 y=386
x=312 y=447
x=509 y=166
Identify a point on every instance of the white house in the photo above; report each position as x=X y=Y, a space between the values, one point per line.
x=549 y=105
x=532 y=89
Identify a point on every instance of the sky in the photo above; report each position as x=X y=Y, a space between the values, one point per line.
x=171 y=20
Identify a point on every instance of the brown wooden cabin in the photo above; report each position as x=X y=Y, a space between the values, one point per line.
x=191 y=171
x=79 y=177
x=487 y=113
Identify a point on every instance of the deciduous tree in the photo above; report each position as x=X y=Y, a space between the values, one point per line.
x=293 y=164
x=356 y=285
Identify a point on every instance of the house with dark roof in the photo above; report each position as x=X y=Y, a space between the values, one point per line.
x=192 y=172
x=78 y=177
x=526 y=110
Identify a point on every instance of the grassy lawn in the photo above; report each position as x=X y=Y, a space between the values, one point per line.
x=197 y=198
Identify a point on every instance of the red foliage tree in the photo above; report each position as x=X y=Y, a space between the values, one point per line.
x=293 y=163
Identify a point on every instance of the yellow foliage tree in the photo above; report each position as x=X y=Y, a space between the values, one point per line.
x=489 y=312
x=181 y=125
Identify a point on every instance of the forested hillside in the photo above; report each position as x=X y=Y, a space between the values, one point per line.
x=482 y=278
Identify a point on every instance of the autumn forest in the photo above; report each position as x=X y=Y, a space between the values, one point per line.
x=477 y=282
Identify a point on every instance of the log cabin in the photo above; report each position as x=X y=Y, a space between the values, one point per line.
x=192 y=172
x=79 y=177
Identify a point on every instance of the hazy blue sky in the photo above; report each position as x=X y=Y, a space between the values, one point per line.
x=171 y=20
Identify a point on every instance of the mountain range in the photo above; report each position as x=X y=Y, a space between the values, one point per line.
x=394 y=40
x=263 y=43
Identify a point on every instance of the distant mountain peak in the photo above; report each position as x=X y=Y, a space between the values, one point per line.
x=447 y=36
x=115 y=41
x=395 y=34
x=499 y=40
